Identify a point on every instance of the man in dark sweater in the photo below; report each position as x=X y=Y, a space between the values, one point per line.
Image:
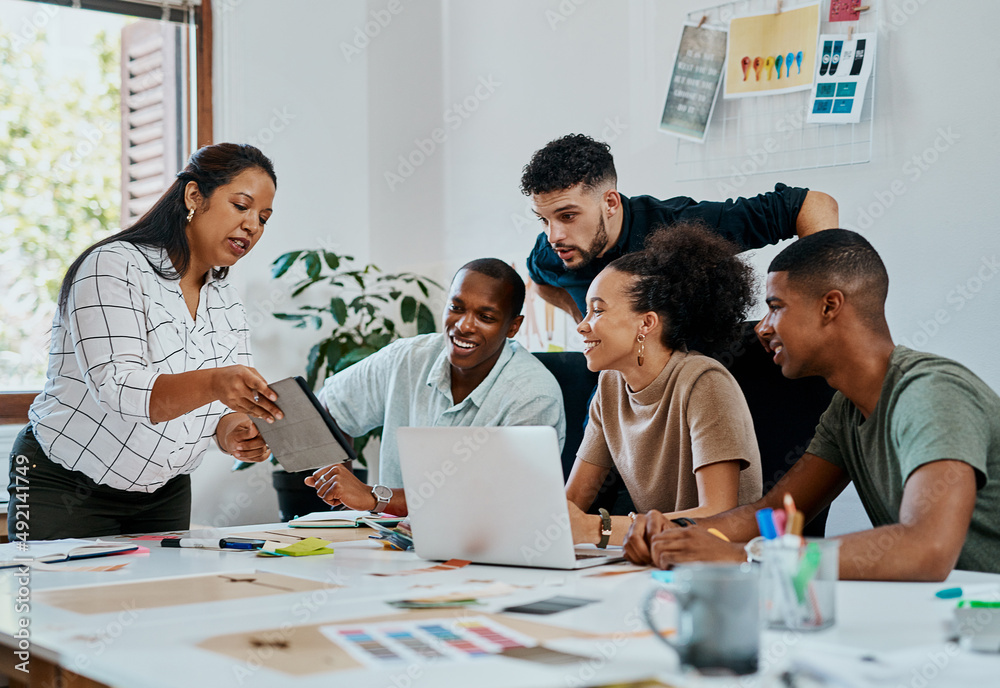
x=572 y=185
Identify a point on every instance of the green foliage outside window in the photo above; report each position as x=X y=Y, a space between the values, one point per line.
x=60 y=177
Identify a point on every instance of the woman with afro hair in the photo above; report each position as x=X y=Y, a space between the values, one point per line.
x=672 y=420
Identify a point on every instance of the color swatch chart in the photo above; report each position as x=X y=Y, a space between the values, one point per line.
x=841 y=78
x=430 y=640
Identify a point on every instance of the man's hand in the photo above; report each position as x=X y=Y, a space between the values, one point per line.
x=644 y=527
x=694 y=543
x=237 y=435
x=337 y=485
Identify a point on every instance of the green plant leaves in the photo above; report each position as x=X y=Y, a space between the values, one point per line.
x=425 y=320
x=408 y=309
x=339 y=310
x=281 y=264
x=313 y=266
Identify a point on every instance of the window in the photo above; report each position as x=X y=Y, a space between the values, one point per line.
x=100 y=106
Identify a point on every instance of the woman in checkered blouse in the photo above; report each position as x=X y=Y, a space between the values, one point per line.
x=149 y=362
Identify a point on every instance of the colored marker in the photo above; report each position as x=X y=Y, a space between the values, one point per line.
x=789 y=58
x=780 y=521
x=769 y=66
x=745 y=63
x=952 y=593
x=777 y=64
x=798 y=522
x=789 y=505
x=758 y=64
x=798 y=62
x=719 y=534
x=765 y=522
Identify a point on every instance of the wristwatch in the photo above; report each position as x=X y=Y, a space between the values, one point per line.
x=683 y=521
x=382 y=495
x=605 y=528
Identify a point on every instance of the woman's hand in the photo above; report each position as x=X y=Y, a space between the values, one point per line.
x=586 y=527
x=238 y=436
x=644 y=527
x=244 y=390
x=338 y=485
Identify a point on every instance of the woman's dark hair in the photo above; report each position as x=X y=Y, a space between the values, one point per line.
x=164 y=225
x=692 y=278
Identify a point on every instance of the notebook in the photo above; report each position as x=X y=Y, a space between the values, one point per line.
x=341 y=519
x=306 y=438
x=51 y=551
x=491 y=496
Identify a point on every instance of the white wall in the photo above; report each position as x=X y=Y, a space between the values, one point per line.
x=282 y=83
x=602 y=68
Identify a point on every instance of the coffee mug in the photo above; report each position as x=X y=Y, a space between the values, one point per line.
x=718 y=617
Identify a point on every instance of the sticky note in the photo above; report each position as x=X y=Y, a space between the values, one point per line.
x=305 y=548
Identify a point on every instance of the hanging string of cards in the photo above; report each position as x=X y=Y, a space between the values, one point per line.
x=767 y=54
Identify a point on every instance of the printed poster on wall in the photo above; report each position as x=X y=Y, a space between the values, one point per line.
x=841 y=78
x=694 y=84
x=772 y=53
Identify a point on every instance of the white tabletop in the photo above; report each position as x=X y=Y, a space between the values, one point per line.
x=901 y=626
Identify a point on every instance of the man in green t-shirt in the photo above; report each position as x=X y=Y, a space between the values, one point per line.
x=918 y=434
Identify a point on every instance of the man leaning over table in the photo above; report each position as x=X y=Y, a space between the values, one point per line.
x=918 y=434
x=469 y=375
x=572 y=183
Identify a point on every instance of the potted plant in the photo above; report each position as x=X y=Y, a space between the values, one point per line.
x=362 y=310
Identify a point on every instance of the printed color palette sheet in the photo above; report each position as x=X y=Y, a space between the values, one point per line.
x=429 y=640
x=841 y=78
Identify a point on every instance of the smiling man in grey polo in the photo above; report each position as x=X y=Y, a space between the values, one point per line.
x=469 y=375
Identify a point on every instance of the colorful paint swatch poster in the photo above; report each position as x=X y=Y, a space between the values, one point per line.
x=841 y=78
x=390 y=643
x=772 y=53
x=694 y=84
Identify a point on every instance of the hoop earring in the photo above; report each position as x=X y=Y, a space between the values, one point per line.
x=190 y=214
x=641 y=338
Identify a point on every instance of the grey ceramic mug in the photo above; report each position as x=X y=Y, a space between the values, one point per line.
x=718 y=617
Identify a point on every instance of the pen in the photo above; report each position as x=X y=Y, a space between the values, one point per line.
x=719 y=534
x=952 y=593
x=198 y=543
x=765 y=521
x=780 y=518
x=208 y=543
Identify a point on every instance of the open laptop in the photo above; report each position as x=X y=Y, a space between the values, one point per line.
x=491 y=496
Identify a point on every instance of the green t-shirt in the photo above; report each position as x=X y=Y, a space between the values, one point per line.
x=930 y=408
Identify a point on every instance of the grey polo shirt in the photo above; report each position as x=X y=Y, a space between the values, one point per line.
x=408 y=384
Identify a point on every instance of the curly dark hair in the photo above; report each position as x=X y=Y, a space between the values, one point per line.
x=567 y=161
x=694 y=280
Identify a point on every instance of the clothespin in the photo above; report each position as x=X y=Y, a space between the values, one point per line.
x=778 y=11
x=701 y=22
x=850 y=33
x=862 y=8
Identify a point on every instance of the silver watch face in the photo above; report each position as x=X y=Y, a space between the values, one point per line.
x=382 y=493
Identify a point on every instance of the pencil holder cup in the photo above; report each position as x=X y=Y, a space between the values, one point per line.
x=799 y=583
x=717 y=617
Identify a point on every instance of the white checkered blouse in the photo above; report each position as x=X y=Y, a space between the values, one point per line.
x=126 y=326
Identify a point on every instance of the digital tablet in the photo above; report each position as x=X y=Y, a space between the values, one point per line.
x=306 y=438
